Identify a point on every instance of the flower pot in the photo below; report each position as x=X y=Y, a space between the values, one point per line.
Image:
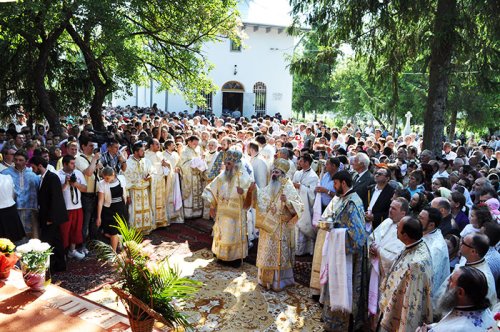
x=5 y=273
x=141 y=325
x=7 y=262
x=34 y=276
x=34 y=280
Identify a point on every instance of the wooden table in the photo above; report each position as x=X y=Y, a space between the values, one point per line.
x=55 y=309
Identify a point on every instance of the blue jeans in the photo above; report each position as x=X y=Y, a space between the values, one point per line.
x=89 y=207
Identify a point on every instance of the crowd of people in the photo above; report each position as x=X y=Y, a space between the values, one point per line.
x=401 y=239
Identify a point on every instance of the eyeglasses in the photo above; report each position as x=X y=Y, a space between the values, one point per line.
x=465 y=244
x=379 y=173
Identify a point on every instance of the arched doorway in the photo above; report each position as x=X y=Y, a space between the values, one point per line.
x=232 y=97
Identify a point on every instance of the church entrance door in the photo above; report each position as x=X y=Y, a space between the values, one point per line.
x=232 y=101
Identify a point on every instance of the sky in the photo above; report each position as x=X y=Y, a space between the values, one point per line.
x=273 y=12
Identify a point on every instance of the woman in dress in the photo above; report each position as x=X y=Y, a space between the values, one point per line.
x=11 y=226
x=111 y=202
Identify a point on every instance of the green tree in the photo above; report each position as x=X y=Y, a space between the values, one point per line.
x=393 y=35
x=118 y=43
x=35 y=28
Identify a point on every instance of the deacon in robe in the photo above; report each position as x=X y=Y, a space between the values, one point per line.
x=261 y=176
x=278 y=208
x=384 y=248
x=465 y=303
x=173 y=198
x=325 y=194
x=138 y=176
x=259 y=165
x=430 y=219
x=192 y=181
x=405 y=301
x=225 y=194
x=158 y=187
x=267 y=151
x=305 y=182
x=343 y=266
x=473 y=248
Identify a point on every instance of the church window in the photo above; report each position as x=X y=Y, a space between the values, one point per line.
x=208 y=102
x=260 y=96
x=235 y=47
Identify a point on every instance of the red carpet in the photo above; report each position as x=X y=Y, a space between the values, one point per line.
x=89 y=274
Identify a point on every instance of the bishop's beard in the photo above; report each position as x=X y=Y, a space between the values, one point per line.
x=275 y=184
x=228 y=175
x=448 y=300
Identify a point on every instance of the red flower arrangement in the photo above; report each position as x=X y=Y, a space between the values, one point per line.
x=7 y=257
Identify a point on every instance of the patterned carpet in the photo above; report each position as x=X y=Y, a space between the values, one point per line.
x=231 y=299
x=88 y=275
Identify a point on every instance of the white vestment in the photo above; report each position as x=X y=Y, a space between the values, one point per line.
x=465 y=321
x=480 y=265
x=261 y=171
x=158 y=188
x=175 y=214
x=440 y=259
x=292 y=170
x=385 y=236
x=267 y=153
x=305 y=232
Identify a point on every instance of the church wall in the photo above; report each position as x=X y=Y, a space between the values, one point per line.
x=262 y=59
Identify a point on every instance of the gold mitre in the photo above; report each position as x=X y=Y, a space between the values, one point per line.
x=282 y=165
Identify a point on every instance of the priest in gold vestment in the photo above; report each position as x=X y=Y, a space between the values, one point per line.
x=405 y=301
x=225 y=194
x=192 y=181
x=278 y=207
x=138 y=176
x=158 y=188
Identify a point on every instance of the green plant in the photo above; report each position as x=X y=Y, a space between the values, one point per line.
x=34 y=254
x=157 y=284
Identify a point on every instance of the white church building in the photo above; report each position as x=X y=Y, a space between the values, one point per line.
x=252 y=78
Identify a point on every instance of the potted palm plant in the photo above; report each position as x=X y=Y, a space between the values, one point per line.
x=149 y=290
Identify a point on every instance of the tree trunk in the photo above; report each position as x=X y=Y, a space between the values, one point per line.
x=100 y=80
x=41 y=91
x=380 y=122
x=96 y=109
x=394 y=123
x=453 y=123
x=441 y=52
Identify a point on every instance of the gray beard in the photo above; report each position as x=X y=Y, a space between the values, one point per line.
x=275 y=185
x=228 y=175
x=448 y=300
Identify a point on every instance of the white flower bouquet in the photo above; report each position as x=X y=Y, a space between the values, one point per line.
x=34 y=257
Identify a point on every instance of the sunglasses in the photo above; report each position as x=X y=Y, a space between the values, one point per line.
x=467 y=245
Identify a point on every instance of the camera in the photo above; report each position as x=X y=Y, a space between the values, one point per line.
x=72 y=178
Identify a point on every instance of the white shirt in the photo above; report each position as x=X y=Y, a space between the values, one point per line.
x=444 y=174
x=376 y=194
x=75 y=202
x=6 y=191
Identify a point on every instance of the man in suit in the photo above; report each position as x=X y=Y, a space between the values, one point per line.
x=362 y=178
x=488 y=158
x=52 y=212
x=379 y=198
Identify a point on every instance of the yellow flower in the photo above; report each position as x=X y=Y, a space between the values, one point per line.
x=6 y=246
